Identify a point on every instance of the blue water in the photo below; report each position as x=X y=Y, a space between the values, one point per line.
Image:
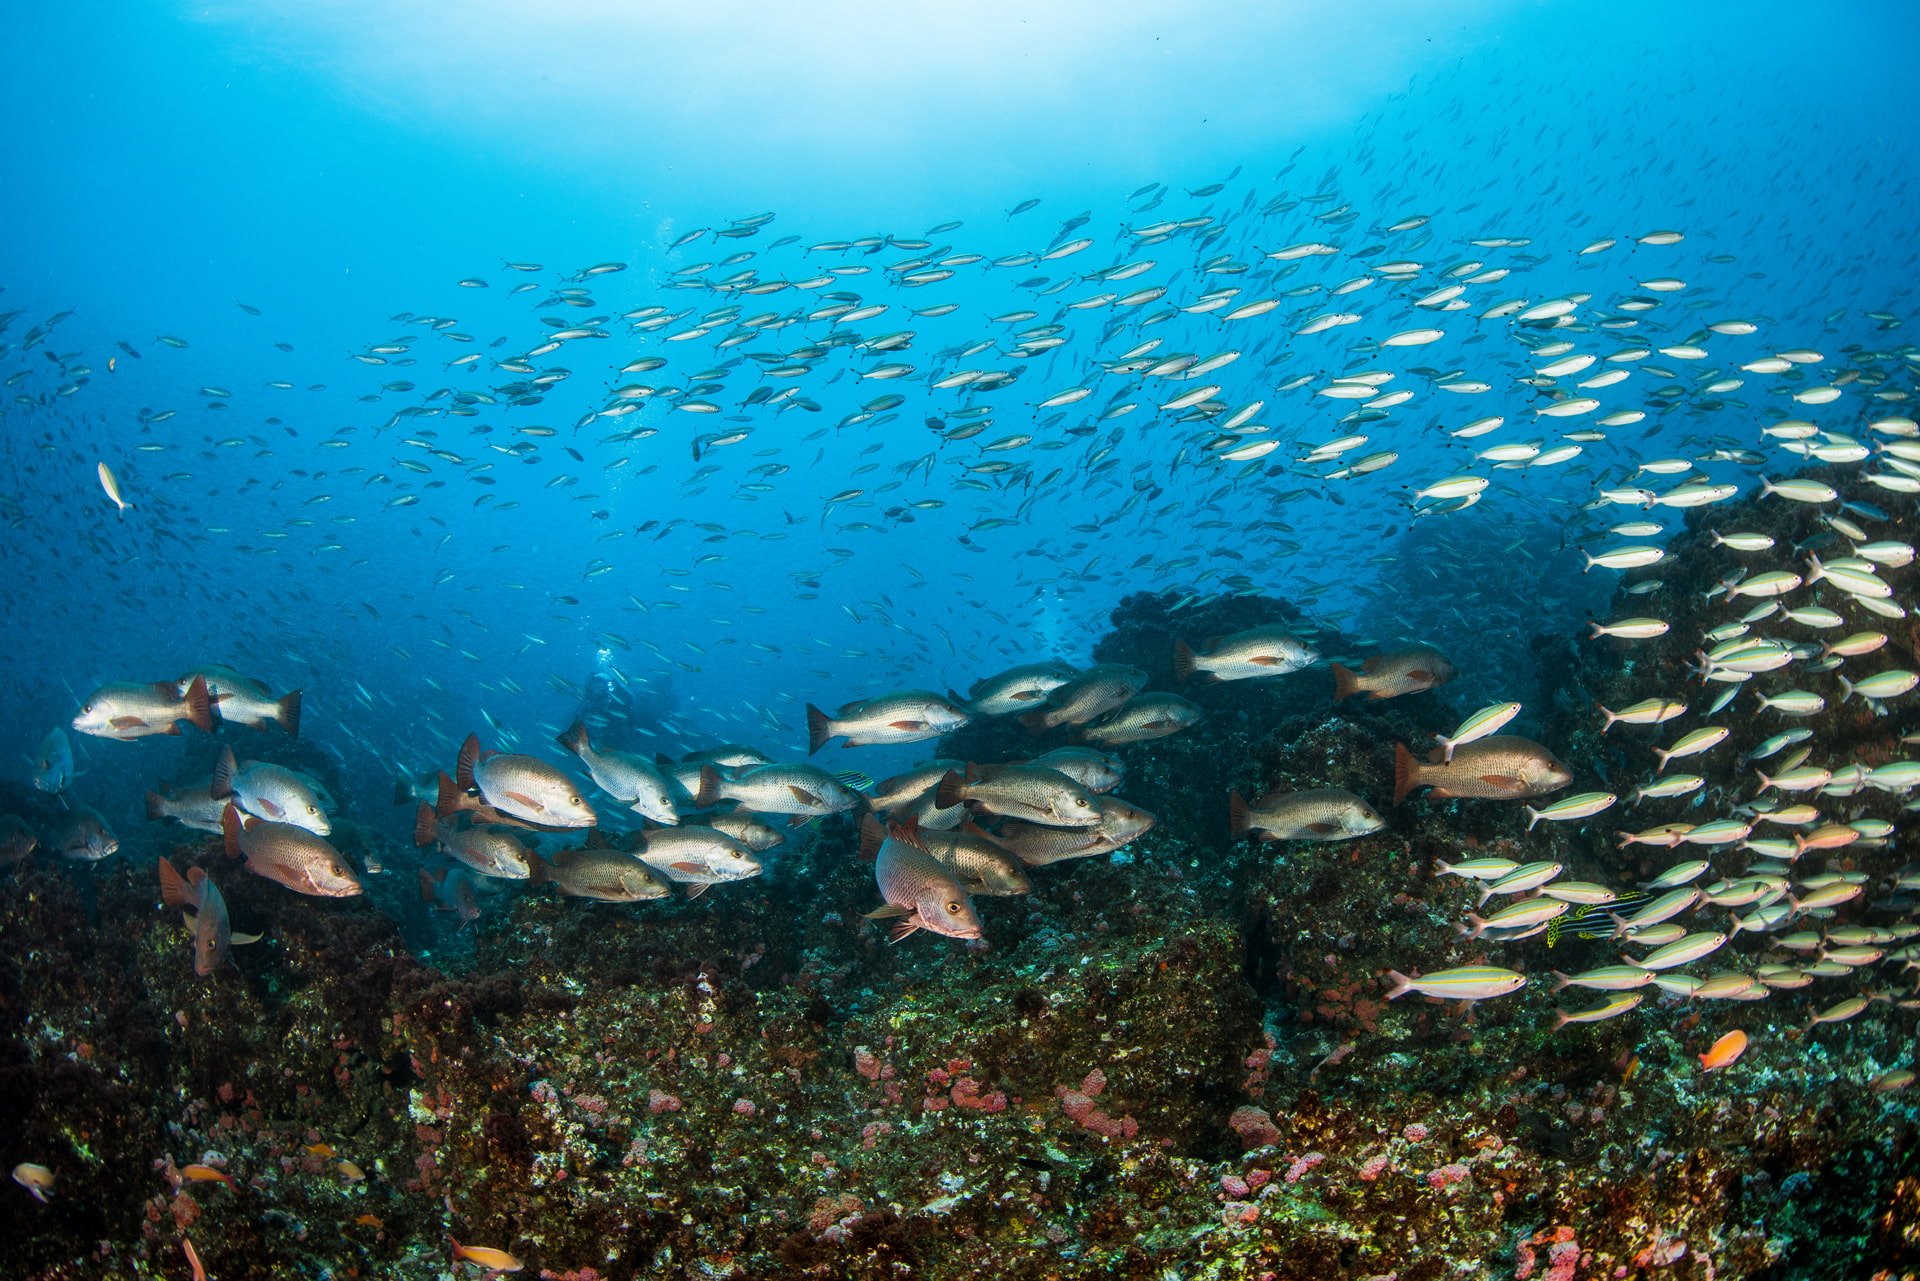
x=340 y=168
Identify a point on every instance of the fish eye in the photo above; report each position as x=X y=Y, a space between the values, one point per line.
x=573 y=800
x=954 y=908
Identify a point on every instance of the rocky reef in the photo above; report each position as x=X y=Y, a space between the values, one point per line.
x=1173 y=1061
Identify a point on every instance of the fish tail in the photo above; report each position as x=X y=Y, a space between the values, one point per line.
x=463 y=766
x=426 y=886
x=449 y=798
x=426 y=825
x=287 y=712
x=1401 y=985
x=402 y=791
x=173 y=887
x=1182 y=661
x=1239 y=821
x=1564 y=981
x=1560 y=1019
x=1345 y=682
x=574 y=738
x=199 y=706
x=871 y=836
x=709 y=793
x=230 y=830
x=1533 y=817
x=1034 y=722
x=222 y=786
x=950 y=791
x=156 y=806
x=819 y=729
x=1406 y=770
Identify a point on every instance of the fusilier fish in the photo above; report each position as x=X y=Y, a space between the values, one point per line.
x=1259 y=651
x=1487 y=720
x=1468 y=983
x=1582 y=806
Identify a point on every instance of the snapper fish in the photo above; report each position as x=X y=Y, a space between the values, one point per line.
x=611 y=876
x=1086 y=697
x=1245 y=655
x=128 y=709
x=1319 y=814
x=1031 y=792
x=269 y=791
x=625 y=777
x=801 y=791
x=1142 y=717
x=301 y=860
x=905 y=716
x=451 y=889
x=697 y=857
x=1018 y=689
x=1402 y=671
x=1500 y=767
x=490 y=851
x=521 y=786
x=1038 y=844
x=1093 y=770
x=197 y=895
x=53 y=762
x=193 y=806
x=241 y=700
x=85 y=837
x=982 y=864
x=920 y=892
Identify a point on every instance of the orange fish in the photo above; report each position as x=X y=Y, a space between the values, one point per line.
x=369 y=1221
x=486 y=1257
x=206 y=1174
x=193 y=1258
x=319 y=1149
x=1724 y=1051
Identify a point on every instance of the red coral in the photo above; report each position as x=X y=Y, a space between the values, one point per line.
x=1254 y=1126
x=966 y=1094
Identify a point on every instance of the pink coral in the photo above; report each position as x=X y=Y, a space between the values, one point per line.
x=1371 y=1168
x=661 y=1101
x=1447 y=1175
x=966 y=1093
x=1254 y=1126
x=1088 y=1114
x=1303 y=1164
x=1416 y=1133
x=744 y=1107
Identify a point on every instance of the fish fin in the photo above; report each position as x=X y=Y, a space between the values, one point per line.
x=523 y=799
x=1401 y=985
x=1323 y=827
x=1506 y=782
x=596 y=840
x=947 y=793
x=805 y=797
x=697 y=889
x=156 y=806
x=426 y=827
x=871 y=835
x=244 y=939
x=402 y=791
x=1034 y=722
x=287 y=712
x=907 y=727
x=709 y=793
x=1265 y=660
x=908 y=832
x=663 y=761
x=800 y=820
x=972 y=828
x=1345 y=683
x=1406 y=772
x=1239 y=821
x=427 y=886
x=958 y=701
x=819 y=729
x=1564 y=981
x=223 y=771
x=191 y=920
x=684 y=866
x=574 y=738
x=902 y=928
x=1182 y=661
x=230 y=830
x=1027 y=696
x=126 y=722
x=886 y=910
x=173 y=887
x=539 y=871
x=450 y=798
x=199 y=706
x=463 y=765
